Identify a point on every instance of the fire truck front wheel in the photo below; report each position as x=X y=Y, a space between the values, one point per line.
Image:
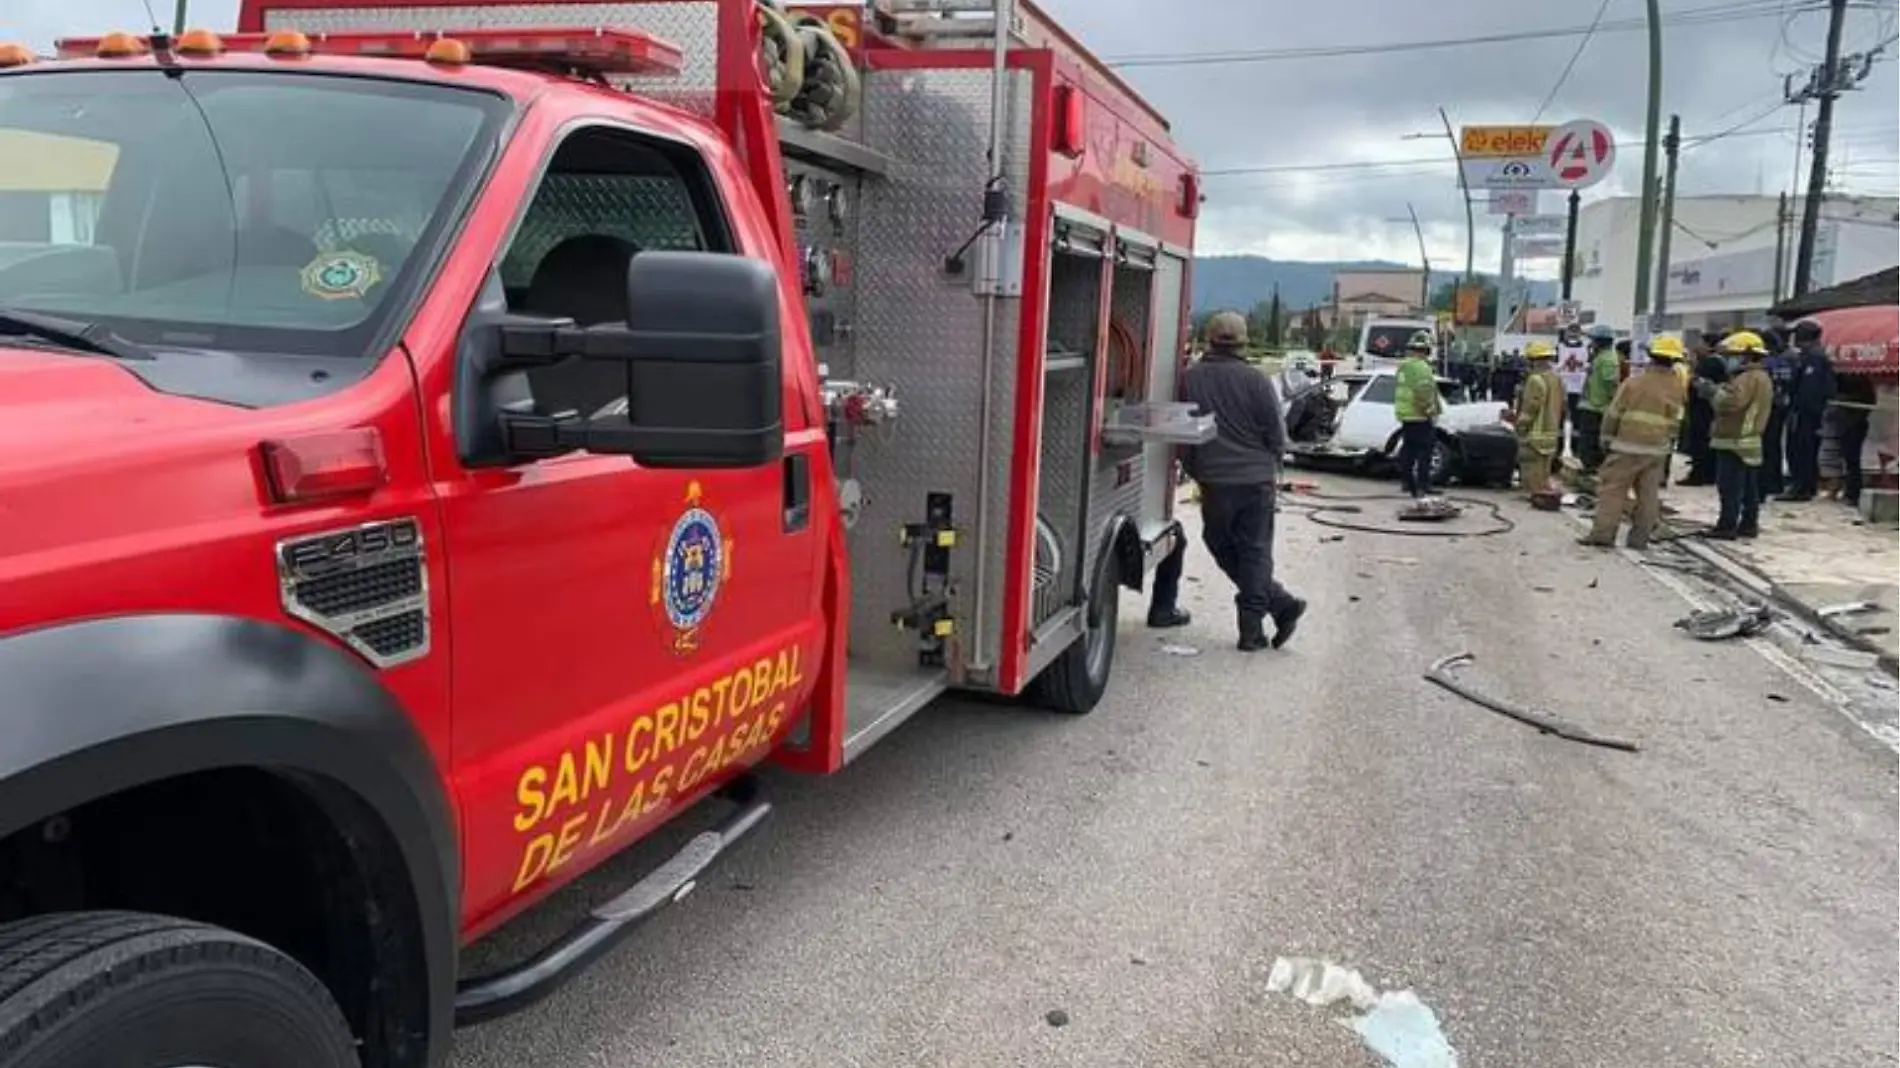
x=97 y=989
x=1078 y=678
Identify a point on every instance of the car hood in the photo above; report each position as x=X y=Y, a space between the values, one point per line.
x=91 y=455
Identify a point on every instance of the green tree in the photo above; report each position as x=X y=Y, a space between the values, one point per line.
x=1276 y=320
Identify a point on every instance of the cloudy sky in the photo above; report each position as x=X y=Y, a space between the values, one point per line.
x=1354 y=116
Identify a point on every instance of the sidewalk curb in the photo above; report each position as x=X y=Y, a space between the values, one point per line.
x=1748 y=575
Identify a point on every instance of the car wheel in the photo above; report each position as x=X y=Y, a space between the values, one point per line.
x=1079 y=677
x=1445 y=461
x=99 y=989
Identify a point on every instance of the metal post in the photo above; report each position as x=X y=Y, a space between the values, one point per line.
x=1570 y=242
x=1471 y=229
x=1425 y=285
x=1671 y=145
x=1781 y=247
x=1823 y=126
x=996 y=216
x=1646 y=227
x=178 y=17
x=1507 y=269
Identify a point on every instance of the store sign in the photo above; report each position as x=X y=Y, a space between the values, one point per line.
x=1512 y=202
x=1540 y=226
x=1506 y=157
x=1502 y=142
x=1538 y=248
x=1743 y=279
x=1526 y=173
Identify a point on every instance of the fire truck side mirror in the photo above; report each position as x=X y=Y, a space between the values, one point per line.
x=701 y=357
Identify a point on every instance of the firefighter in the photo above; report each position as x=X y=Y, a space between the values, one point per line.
x=1539 y=420
x=1708 y=367
x=1415 y=401
x=1638 y=430
x=1239 y=476
x=1599 y=389
x=1742 y=407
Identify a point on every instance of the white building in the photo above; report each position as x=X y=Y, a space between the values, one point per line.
x=1722 y=256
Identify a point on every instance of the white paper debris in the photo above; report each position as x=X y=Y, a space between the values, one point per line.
x=1397 y=1025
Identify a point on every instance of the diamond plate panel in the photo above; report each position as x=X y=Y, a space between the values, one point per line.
x=690 y=24
x=818 y=229
x=1128 y=302
x=653 y=213
x=1074 y=297
x=924 y=332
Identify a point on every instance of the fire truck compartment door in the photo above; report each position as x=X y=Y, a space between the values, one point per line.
x=1164 y=368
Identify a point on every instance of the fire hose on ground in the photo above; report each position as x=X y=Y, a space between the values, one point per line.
x=1441 y=675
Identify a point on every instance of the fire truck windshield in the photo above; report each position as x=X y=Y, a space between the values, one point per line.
x=228 y=210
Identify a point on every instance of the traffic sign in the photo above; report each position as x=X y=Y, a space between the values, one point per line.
x=1538 y=248
x=1580 y=154
x=1539 y=225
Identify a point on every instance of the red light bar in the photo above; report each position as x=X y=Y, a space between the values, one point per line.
x=315 y=467
x=596 y=50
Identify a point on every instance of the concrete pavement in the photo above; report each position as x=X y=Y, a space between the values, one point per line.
x=1725 y=897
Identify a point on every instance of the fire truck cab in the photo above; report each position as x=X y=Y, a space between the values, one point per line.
x=439 y=444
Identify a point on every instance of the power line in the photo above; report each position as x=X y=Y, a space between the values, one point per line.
x=1746 y=9
x=1574 y=56
x=1442 y=162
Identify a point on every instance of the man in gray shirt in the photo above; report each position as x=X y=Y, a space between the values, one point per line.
x=1239 y=475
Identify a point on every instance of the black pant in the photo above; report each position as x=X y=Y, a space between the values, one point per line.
x=1696 y=443
x=1853 y=436
x=1773 y=437
x=1804 y=453
x=1739 y=487
x=1237 y=525
x=1417 y=442
x=1589 y=439
x=1167 y=588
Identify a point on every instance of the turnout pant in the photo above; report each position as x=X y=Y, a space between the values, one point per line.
x=1417 y=442
x=1533 y=468
x=1804 y=453
x=1237 y=525
x=1624 y=473
x=1739 y=487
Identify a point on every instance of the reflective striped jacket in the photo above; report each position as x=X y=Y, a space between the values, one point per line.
x=1540 y=411
x=1642 y=418
x=1741 y=411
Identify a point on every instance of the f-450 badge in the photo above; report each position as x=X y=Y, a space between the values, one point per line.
x=691 y=566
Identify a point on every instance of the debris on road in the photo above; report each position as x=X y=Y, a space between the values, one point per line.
x=1834 y=656
x=1057 y=1018
x=1848 y=609
x=1721 y=624
x=1180 y=650
x=1441 y=674
x=1396 y=1025
x=1328 y=539
x=1397 y=561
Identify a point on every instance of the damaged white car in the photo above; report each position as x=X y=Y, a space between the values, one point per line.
x=1350 y=418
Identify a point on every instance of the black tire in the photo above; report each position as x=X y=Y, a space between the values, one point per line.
x=130 y=990
x=1447 y=464
x=1078 y=678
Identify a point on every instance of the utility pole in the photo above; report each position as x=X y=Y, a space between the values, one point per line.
x=1825 y=83
x=1507 y=270
x=178 y=18
x=1672 y=146
x=1781 y=247
x=1471 y=228
x=1425 y=285
x=1646 y=226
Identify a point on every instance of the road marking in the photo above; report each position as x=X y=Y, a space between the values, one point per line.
x=1396 y=1025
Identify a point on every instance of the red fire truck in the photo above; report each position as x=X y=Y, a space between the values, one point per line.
x=440 y=443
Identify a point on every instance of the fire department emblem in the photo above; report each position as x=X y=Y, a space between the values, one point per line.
x=344 y=275
x=688 y=571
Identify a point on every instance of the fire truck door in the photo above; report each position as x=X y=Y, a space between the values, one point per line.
x=623 y=636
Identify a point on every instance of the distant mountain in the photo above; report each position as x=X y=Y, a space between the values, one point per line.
x=1242 y=281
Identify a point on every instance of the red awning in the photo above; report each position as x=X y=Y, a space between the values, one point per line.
x=1862 y=341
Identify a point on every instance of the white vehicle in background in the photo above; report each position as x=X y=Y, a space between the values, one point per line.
x=1351 y=418
x=1382 y=341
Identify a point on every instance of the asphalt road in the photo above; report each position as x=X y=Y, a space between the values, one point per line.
x=1726 y=897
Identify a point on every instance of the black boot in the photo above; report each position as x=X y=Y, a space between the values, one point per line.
x=1253 y=633
x=1285 y=620
x=1168 y=619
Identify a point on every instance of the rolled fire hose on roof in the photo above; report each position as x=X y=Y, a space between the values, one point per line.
x=831 y=89
x=781 y=55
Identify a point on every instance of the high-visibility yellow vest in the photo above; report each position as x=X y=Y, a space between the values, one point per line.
x=1599 y=389
x=1741 y=412
x=1415 y=393
x=1540 y=411
x=1641 y=419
